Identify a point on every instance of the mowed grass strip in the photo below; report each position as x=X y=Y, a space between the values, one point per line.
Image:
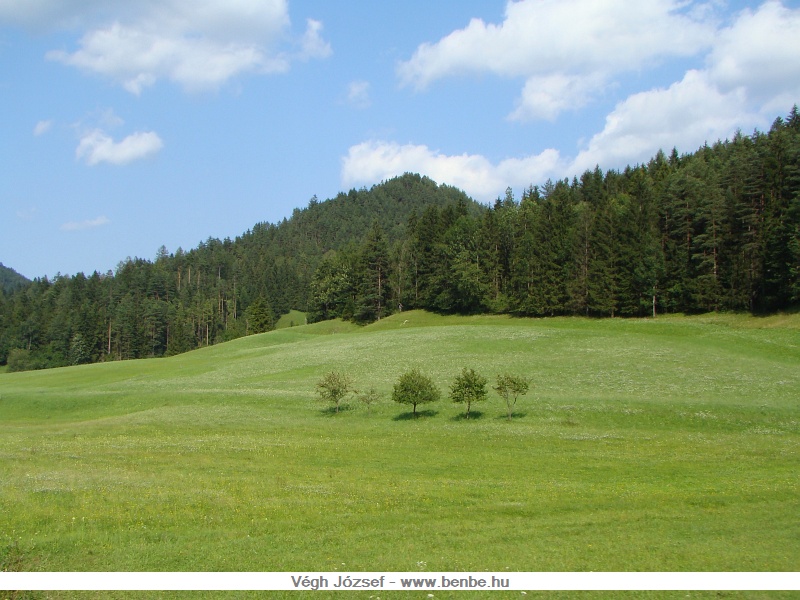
x=667 y=444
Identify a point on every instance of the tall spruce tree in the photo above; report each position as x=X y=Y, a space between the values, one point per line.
x=259 y=316
x=374 y=277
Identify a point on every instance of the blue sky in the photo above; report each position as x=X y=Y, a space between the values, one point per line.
x=128 y=124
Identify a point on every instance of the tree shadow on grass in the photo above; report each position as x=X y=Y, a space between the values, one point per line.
x=409 y=416
x=330 y=411
x=514 y=415
x=474 y=415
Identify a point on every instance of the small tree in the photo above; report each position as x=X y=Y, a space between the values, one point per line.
x=511 y=387
x=333 y=387
x=370 y=397
x=468 y=387
x=415 y=388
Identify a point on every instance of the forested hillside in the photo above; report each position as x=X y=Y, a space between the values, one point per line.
x=220 y=290
x=10 y=279
x=717 y=229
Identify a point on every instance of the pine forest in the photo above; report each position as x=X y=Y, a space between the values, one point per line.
x=714 y=230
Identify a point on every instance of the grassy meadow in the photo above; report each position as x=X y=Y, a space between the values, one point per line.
x=643 y=445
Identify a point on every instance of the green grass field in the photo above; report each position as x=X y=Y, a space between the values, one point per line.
x=293 y=318
x=644 y=445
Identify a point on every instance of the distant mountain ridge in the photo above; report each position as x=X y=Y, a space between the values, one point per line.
x=10 y=280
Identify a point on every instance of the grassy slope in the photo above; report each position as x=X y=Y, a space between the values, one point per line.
x=291 y=319
x=644 y=445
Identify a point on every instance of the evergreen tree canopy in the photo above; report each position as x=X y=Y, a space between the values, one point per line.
x=717 y=229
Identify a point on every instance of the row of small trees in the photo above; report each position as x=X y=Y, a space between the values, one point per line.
x=415 y=388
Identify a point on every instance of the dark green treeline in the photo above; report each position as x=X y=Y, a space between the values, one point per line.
x=718 y=229
x=221 y=290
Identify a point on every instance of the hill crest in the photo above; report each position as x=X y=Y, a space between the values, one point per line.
x=10 y=280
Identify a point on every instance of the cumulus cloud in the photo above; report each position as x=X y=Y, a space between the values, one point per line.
x=138 y=58
x=566 y=51
x=547 y=96
x=373 y=161
x=312 y=45
x=45 y=14
x=745 y=72
x=97 y=146
x=358 y=94
x=198 y=45
x=88 y=224
x=42 y=127
x=758 y=53
x=750 y=75
x=685 y=115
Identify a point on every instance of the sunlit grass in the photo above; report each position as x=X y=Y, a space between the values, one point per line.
x=293 y=318
x=643 y=445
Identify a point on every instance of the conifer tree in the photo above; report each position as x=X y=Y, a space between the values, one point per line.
x=259 y=316
x=374 y=274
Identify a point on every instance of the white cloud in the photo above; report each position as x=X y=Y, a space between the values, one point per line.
x=751 y=75
x=569 y=51
x=358 y=94
x=138 y=58
x=42 y=127
x=573 y=47
x=684 y=115
x=107 y=118
x=245 y=19
x=96 y=146
x=199 y=45
x=759 y=53
x=88 y=224
x=312 y=45
x=373 y=161
x=43 y=14
x=547 y=96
